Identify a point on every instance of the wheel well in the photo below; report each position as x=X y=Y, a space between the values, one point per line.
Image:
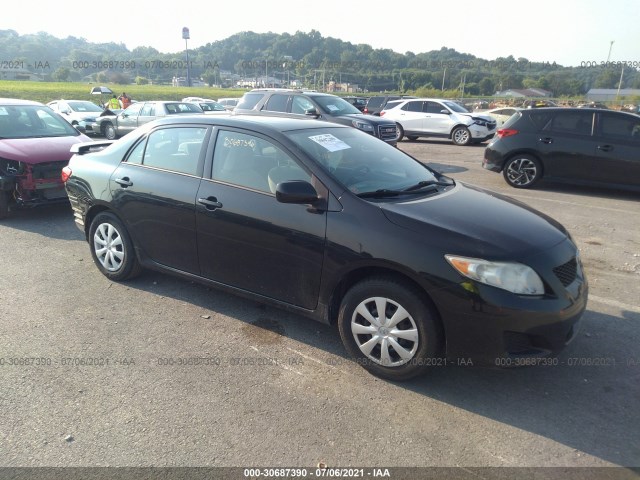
x=103 y=126
x=360 y=274
x=456 y=126
x=91 y=214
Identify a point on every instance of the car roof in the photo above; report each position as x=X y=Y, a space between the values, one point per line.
x=18 y=101
x=528 y=111
x=273 y=124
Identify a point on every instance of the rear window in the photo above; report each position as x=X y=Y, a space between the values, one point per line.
x=375 y=102
x=249 y=100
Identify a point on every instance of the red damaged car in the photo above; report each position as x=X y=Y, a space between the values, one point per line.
x=35 y=145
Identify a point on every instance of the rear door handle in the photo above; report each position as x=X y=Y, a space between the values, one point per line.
x=210 y=203
x=547 y=140
x=605 y=148
x=124 y=182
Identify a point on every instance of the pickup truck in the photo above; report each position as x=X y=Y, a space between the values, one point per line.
x=117 y=125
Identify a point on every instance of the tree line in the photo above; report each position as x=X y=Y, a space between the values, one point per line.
x=307 y=58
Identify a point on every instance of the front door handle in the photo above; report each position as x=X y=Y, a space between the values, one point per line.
x=124 y=182
x=210 y=203
x=605 y=148
x=547 y=140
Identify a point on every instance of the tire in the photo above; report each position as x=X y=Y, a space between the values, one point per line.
x=522 y=171
x=421 y=342
x=109 y=131
x=461 y=136
x=399 y=132
x=4 y=205
x=112 y=249
x=413 y=138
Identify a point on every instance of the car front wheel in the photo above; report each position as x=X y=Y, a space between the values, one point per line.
x=522 y=171
x=110 y=131
x=399 y=132
x=112 y=249
x=461 y=136
x=389 y=329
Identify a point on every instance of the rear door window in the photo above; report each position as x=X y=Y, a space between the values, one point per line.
x=572 y=122
x=277 y=103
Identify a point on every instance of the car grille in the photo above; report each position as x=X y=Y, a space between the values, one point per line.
x=387 y=132
x=49 y=170
x=567 y=272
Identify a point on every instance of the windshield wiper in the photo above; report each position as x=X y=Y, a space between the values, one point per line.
x=429 y=183
x=383 y=192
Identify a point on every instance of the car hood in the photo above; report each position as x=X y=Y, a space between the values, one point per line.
x=488 y=118
x=478 y=222
x=39 y=150
x=347 y=119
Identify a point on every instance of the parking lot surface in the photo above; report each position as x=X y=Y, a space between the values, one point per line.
x=160 y=371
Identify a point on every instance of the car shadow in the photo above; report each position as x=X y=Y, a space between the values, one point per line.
x=441 y=141
x=51 y=221
x=588 y=190
x=587 y=401
x=444 y=168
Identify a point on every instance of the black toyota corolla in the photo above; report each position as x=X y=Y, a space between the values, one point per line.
x=335 y=224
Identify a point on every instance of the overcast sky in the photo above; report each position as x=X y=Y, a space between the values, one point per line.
x=567 y=32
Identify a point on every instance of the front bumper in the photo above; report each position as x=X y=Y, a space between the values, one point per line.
x=488 y=325
x=481 y=134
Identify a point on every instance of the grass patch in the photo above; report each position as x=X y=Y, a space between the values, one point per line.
x=47 y=91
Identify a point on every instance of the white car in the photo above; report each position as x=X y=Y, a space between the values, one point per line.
x=210 y=107
x=229 y=103
x=501 y=115
x=79 y=113
x=431 y=117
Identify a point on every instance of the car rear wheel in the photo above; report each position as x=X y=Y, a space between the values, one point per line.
x=461 y=136
x=109 y=131
x=112 y=249
x=522 y=171
x=413 y=138
x=399 y=132
x=388 y=327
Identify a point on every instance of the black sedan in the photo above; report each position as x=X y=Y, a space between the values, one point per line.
x=332 y=223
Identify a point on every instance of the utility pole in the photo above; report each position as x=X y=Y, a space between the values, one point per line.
x=185 y=35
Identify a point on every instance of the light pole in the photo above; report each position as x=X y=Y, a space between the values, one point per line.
x=185 y=35
x=610 y=47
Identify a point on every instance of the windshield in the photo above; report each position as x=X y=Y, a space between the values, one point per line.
x=456 y=107
x=32 y=121
x=361 y=162
x=84 y=107
x=335 y=105
x=212 y=107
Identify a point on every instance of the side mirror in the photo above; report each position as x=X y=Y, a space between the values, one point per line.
x=446 y=112
x=296 y=191
x=311 y=112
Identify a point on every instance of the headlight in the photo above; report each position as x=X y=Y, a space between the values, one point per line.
x=367 y=127
x=480 y=121
x=510 y=276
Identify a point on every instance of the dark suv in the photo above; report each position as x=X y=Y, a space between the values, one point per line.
x=377 y=103
x=321 y=106
x=581 y=145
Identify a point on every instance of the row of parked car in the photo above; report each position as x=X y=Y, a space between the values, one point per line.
x=299 y=200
